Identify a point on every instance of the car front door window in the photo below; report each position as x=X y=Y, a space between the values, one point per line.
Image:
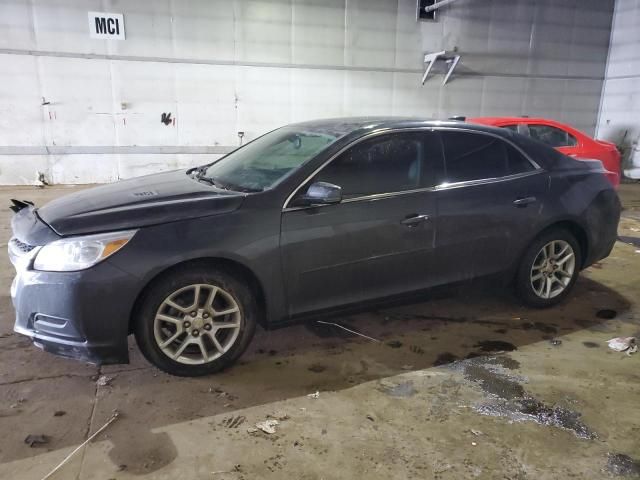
x=385 y=164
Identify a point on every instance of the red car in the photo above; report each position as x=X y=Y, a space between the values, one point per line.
x=566 y=139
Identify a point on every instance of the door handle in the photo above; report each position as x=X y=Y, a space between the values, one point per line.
x=414 y=220
x=523 y=202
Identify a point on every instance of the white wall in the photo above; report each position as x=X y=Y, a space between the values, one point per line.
x=224 y=66
x=619 y=119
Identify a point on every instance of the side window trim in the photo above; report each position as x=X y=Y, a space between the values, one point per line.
x=537 y=168
x=482 y=181
x=442 y=168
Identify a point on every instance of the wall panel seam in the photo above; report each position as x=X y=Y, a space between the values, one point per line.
x=300 y=66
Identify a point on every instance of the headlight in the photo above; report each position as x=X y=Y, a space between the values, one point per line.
x=80 y=253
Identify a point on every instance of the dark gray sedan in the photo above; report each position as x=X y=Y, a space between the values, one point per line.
x=309 y=218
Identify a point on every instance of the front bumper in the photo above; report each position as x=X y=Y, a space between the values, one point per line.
x=82 y=315
x=77 y=350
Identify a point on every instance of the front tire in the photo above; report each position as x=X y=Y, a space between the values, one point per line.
x=195 y=321
x=549 y=269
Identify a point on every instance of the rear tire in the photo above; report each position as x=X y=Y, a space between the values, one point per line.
x=195 y=321
x=548 y=269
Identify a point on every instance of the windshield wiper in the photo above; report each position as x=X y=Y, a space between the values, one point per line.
x=207 y=180
x=236 y=188
x=199 y=174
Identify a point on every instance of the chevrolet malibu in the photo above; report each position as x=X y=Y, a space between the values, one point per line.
x=309 y=219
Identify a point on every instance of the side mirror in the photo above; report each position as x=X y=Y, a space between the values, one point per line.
x=322 y=193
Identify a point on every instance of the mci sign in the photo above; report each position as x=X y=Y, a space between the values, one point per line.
x=106 y=25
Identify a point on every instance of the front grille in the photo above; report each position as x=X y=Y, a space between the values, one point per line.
x=20 y=247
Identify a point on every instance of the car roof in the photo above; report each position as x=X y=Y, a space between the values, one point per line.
x=501 y=121
x=520 y=119
x=511 y=120
x=354 y=126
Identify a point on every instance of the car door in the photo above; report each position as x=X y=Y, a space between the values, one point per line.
x=378 y=240
x=489 y=198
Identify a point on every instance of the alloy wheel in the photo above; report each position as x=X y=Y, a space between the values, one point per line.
x=197 y=324
x=553 y=269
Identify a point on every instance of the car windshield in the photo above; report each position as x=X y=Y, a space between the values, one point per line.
x=262 y=163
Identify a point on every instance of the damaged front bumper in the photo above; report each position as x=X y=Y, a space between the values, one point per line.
x=82 y=315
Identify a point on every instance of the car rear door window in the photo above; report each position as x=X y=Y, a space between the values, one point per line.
x=516 y=161
x=552 y=136
x=385 y=164
x=472 y=156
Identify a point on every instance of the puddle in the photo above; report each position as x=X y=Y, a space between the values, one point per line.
x=530 y=409
x=555 y=416
x=503 y=361
x=606 y=314
x=499 y=385
x=317 y=368
x=508 y=398
x=622 y=465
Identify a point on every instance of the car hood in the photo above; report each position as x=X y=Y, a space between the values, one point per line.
x=138 y=202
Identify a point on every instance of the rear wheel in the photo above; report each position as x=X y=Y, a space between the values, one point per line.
x=549 y=269
x=195 y=322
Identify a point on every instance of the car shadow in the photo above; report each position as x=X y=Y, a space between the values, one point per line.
x=463 y=322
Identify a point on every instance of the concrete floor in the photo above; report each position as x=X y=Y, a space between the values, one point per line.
x=437 y=398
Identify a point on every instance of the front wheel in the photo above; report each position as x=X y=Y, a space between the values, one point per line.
x=195 y=322
x=549 y=269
